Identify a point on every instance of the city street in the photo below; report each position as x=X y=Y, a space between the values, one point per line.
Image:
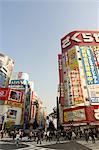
x=63 y=145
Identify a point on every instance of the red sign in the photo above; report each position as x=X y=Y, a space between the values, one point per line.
x=92 y=113
x=4 y=93
x=82 y=114
x=79 y=38
x=11 y=95
x=16 y=96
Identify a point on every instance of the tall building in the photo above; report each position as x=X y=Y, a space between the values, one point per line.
x=79 y=78
x=6 y=68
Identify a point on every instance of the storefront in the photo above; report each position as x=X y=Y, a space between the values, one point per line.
x=81 y=116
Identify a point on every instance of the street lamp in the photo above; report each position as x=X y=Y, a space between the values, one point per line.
x=57 y=102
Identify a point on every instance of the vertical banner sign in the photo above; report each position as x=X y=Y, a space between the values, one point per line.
x=89 y=66
x=95 y=50
x=61 y=79
x=75 y=77
x=27 y=108
x=65 y=79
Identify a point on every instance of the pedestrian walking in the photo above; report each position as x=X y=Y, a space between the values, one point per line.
x=39 y=136
x=58 y=136
x=86 y=135
x=73 y=135
x=17 y=139
x=2 y=133
x=92 y=135
x=21 y=134
x=48 y=136
x=30 y=135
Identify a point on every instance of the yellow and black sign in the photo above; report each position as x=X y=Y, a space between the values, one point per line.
x=14 y=104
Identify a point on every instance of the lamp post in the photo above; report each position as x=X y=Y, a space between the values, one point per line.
x=57 y=103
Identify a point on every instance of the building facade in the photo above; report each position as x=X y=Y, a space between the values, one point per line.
x=79 y=83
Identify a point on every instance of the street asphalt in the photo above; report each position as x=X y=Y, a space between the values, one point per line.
x=72 y=145
x=25 y=144
x=11 y=146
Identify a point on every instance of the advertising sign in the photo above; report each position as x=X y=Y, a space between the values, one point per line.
x=79 y=38
x=61 y=87
x=13 y=104
x=81 y=114
x=18 y=84
x=94 y=113
x=90 y=68
x=95 y=50
x=65 y=80
x=75 y=77
x=15 y=95
x=94 y=93
x=72 y=58
x=11 y=114
x=27 y=106
x=4 y=93
x=20 y=76
x=75 y=114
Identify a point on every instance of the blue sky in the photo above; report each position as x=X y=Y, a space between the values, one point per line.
x=30 y=33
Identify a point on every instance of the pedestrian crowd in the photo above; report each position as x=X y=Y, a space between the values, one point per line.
x=39 y=135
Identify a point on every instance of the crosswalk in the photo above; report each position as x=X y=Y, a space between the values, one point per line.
x=31 y=146
x=92 y=146
x=35 y=146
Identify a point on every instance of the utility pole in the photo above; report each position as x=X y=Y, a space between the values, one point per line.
x=57 y=101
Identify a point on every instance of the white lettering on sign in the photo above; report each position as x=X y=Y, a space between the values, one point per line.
x=66 y=42
x=86 y=38
x=74 y=37
x=96 y=111
x=96 y=36
x=18 y=82
x=2 y=93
